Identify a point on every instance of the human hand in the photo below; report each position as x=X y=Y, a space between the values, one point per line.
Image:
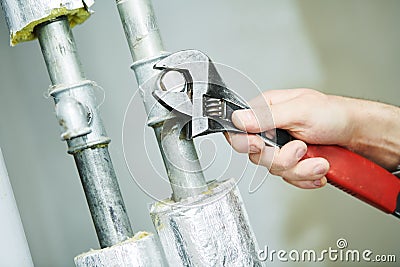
x=309 y=116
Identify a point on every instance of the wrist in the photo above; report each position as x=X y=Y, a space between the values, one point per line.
x=347 y=122
x=375 y=131
x=357 y=120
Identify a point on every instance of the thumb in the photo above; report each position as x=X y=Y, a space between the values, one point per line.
x=261 y=119
x=288 y=114
x=253 y=120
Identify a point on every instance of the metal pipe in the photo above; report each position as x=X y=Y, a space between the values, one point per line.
x=59 y=52
x=14 y=250
x=103 y=196
x=179 y=155
x=209 y=229
x=141 y=29
x=84 y=132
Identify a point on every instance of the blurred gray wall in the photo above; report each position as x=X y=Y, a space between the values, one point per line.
x=340 y=47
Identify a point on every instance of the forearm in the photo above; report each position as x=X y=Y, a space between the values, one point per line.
x=375 y=131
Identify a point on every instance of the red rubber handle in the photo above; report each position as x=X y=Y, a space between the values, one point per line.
x=359 y=176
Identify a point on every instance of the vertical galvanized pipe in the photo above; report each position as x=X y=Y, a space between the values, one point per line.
x=60 y=52
x=206 y=229
x=179 y=155
x=141 y=29
x=90 y=150
x=103 y=196
x=14 y=250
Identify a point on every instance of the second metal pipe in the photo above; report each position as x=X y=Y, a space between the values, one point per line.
x=179 y=155
x=84 y=132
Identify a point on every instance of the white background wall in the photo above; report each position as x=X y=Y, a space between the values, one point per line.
x=340 y=47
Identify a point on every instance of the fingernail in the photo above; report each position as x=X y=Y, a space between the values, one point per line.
x=317 y=182
x=300 y=152
x=254 y=149
x=320 y=169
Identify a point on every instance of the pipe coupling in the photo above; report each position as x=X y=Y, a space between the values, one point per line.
x=73 y=118
x=77 y=114
x=147 y=78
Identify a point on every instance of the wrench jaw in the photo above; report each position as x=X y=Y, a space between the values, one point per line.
x=218 y=89
x=176 y=102
x=205 y=97
x=194 y=66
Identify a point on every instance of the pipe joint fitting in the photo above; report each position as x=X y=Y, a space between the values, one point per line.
x=73 y=118
x=77 y=114
x=147 y=78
